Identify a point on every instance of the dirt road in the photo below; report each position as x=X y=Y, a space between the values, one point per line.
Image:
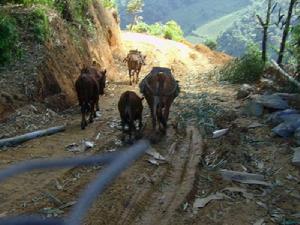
x=164 y=194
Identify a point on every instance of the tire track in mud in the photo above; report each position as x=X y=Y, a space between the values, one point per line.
x=170 y=184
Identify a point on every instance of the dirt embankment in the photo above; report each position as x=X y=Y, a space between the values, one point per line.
x=47 y=71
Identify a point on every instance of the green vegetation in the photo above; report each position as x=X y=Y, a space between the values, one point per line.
x=30 y=2
x=109 y=4
x=211 y=44
x=171 y=30
x=39 y=24
x=36 y=23
x=246 y=69
x=9 y=39
x=75 y=12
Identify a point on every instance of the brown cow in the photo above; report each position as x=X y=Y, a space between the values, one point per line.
x=135 y=60
x=160 y=89
x=89 y=85
x=131 y=108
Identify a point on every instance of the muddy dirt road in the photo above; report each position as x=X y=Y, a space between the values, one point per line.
x=163 y=194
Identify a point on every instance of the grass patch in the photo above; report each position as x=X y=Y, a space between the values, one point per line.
x=9 y=39
x=246 y=69
x=39 y=25
x=202 y=110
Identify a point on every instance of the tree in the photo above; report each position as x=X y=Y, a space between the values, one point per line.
x=296 y=45
x=134 y=7
x=265 y=25
x=287 y=24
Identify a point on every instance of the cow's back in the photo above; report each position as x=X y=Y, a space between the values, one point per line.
x=134 y=61
x=161 y=82
x=130 y=103
x=86 y=88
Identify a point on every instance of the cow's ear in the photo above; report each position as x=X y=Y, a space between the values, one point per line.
x=103 y=71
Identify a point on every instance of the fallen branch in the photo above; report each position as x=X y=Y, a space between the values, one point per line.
x=29 y=136
x=285 y=74
x=243 y=177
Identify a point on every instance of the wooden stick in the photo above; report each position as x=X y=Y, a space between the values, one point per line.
x=29 y=136
x=289 y=77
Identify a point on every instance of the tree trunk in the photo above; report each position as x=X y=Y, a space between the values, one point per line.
x=265 y=26
x=264 y=44
x=286 y=32
x=133 y=22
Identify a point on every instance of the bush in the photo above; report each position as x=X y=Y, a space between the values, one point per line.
x=211 y=44
x=9 y=39
x=140 y=27
x=246 y=69
x=156 y=29
x=39 y=24
x=173 y=31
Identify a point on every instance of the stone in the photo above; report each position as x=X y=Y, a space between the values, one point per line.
x=283 y=116
x=272 y=102
x=296 y=157
x=244 y=91
x=286 y=129
x=254 y=109
x=297 y=136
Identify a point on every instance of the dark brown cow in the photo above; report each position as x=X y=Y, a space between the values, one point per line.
x=131 y=108
x=160 y=89
x=135 y=60
x=89 y=86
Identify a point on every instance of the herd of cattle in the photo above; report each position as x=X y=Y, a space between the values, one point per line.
x=159 y=88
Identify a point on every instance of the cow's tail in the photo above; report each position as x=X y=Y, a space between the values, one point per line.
x=80 y=90
x=128 y=113
x=158 y=94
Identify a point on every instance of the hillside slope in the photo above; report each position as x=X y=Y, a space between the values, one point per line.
x=213 y=29
x=177 y=56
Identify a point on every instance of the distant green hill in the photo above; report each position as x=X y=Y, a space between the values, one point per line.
x=190 y=14
x=212 y=30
